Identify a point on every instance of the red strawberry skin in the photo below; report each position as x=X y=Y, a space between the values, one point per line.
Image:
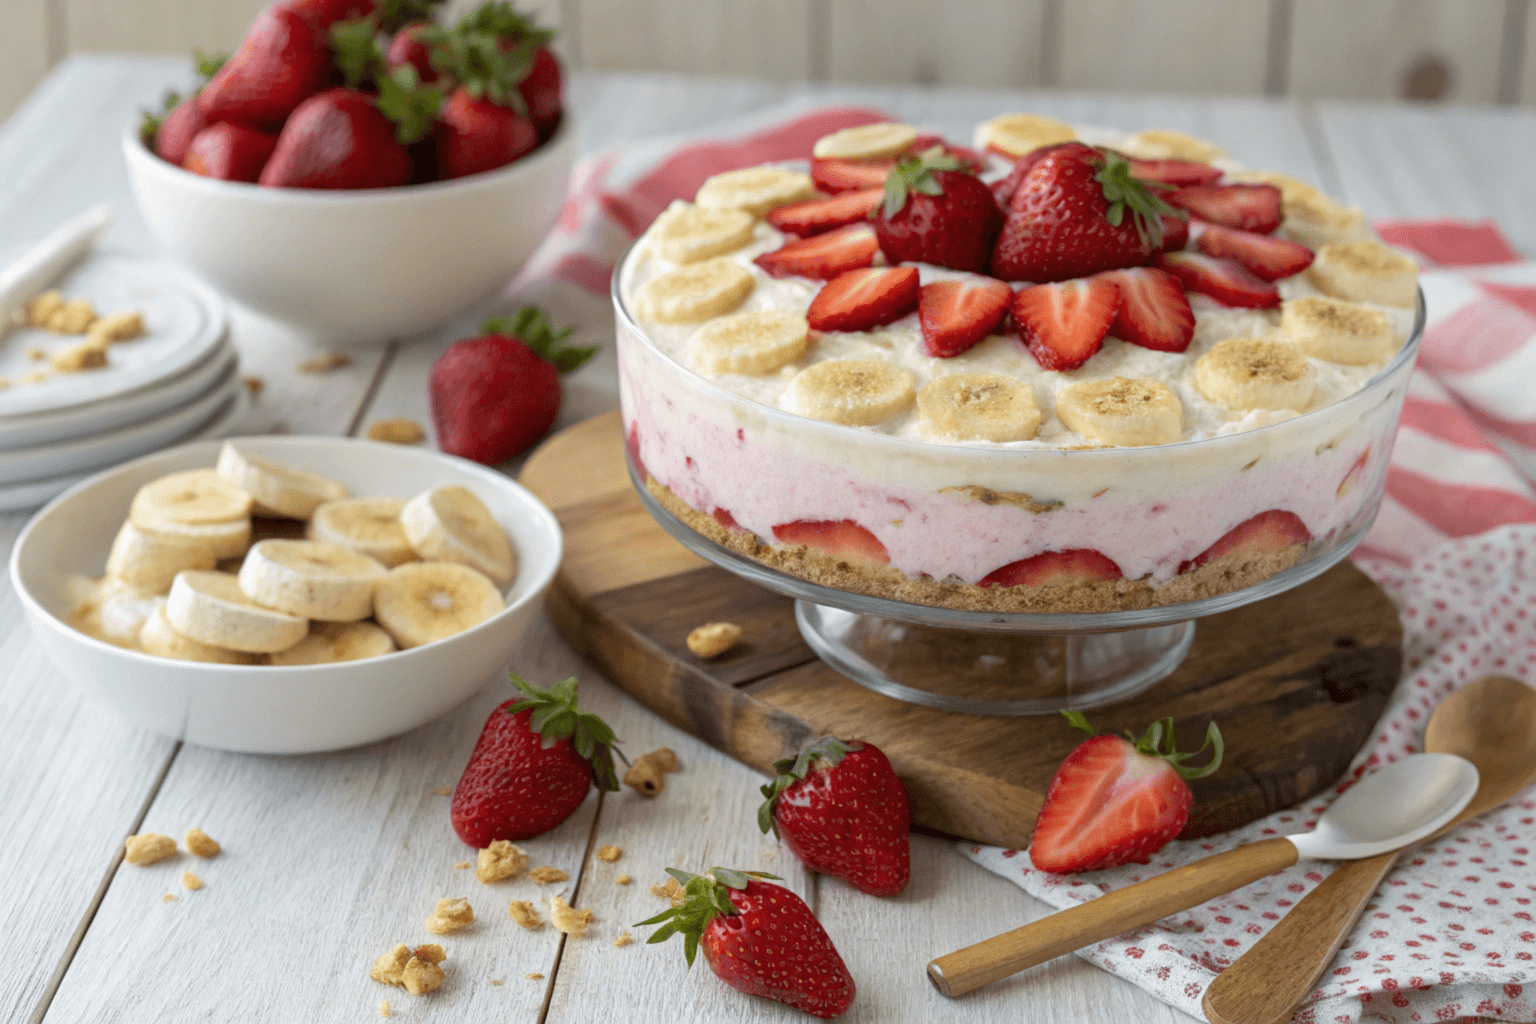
x=513 y=786
x=815 y=216
x=477 y=135
x=1004 y=189
x=405 y=48
x=861 y=299
x=1175 y=172
x=841 y=538
x=1064 y=324
x=337 y=139
x=1225 y=281
x=954 y=229
x=1266 y=257
x=178 y=130
x=492 y=398
x=282 y=61
x=1154 y=313
x=230 y=152
x=543 y=92
x=838 y=176
x=1072 y=566
x=850 y=820
x=1251 y=207
x=775 y=948
x=1267 y=533
x=956 y=315
x=1175 y=233
x=322 y=14
x=823 y=256
x=1108 y=805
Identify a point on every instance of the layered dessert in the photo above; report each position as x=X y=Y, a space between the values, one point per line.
x=1060 y=371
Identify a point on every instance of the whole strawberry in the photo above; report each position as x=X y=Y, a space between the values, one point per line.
x=476 y=135
x=494 y=395
x=840 y=808
x=338 y=139
x=531 y=766
x=175 y=132
x=935 y=213
x=282 y=60
x=230 y=152
x=1115 y=801
x=1077 y=211
x=758 y=938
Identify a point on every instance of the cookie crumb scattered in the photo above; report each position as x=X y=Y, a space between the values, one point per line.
x=623 y=880
x=450 y=915
x=383 y=1007
x=190 y=881
x=396 y=431
x=546 y=875
x=169 y=897
x=523 y=913
x=431 y=952
x=77 y=358
x=253 y=384
x=461 y=865
x=5 y=382
x=148 y=848
x=442 y=790
x=567 y=918
x=35 y=377
x=534 y=976
x=389 y=968
x=499 y=862
x=199 y=844
x=116 y=327
x=609 y=853
x=37 y=354
x=647 y=776
x=623 y=940
x=713 y=639
x=668 y=891
x=325 y=363
x=74 y=317
x=421 y=977
x=497 y=981
x=41 y=308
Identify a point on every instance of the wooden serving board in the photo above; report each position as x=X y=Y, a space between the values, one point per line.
x=1296 y=682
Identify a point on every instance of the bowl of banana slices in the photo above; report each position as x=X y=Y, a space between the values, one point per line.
x=286 y=594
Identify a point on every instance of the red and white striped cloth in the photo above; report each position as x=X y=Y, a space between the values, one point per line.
x=1454 y=933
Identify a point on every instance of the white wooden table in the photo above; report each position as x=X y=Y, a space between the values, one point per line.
x=332 y=859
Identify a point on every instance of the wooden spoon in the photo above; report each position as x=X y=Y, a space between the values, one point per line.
x=1490 y=722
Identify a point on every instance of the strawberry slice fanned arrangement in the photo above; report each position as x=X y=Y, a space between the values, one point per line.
x=358 y=94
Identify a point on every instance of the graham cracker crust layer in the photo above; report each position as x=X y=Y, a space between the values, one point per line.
x=1234 y=572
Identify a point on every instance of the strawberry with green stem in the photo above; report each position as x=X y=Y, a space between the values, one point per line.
x=758 y=938
x=934 y=212
x=170 y=130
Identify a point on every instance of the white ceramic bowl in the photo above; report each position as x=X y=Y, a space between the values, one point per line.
x=355 y=267
x=268 y=708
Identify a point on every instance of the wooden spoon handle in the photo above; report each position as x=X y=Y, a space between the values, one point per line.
x=1266 y=983
x=1119 y=911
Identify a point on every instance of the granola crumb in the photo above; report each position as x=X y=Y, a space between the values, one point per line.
x=383 y=1007
x=35 y=377
x=668 y=891
x=396 y=431
x=5 y=382
x=623 y=880
x=534 y=976
x=421 y=977
x=37 y=354
x=41 y=308
x=325 y=363
x=523 y=913
x=253 y=384
x=623 y=940
x=450 y=915
x=74 y=317
x=77 y=358
x=567 y=918
x=116 y=327
x=546 y=875
x=199 y=844
x=431 y=952
x=461 y=865
x=497 y=982
x=389 y=968
x=148 y=848
x=713 y=639
x=442 y=790
x=609 y=853
x=169 y=897
x=499 y=862
x=647 y=776
x=190 y=881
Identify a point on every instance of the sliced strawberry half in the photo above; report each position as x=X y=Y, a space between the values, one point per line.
x=1178 y=173
x=955 y=315
x=1267 y=533
x=816 y=216
x=1175 y=233
x=1063 y=324
x=1072 y=566
x=1268 y=257
x=823 y=256
x=1252 y=207
x=1226 y=281
x=861 y=299
x=843 y=539
x=838 y=176
x=1154 y=312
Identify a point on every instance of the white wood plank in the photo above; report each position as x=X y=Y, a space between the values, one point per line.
x=697 y=36
x=994 y=43
x=1363 y=49
x=1176 y=46
x=23 y=51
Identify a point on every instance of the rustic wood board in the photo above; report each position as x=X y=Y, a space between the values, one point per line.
x=1295 y=682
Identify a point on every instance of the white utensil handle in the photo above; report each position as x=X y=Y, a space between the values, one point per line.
x=45 y=261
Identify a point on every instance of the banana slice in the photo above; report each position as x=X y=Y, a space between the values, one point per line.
x=196 y=497
x=159 y=637
x=1121 y=411
x=1250 y=373
x=1338 y=331
x=694 y=292
x=330 y=642
x=686 y=233
x=1161 y=144
x=758 y=342
x=979 y=407
x=866 y=142
x=1017 y=134
x=277 y=490
x=210 y=607
x=1311 y=216
x=420 y=602
x=450 y=524
x=310 y=579
x=369 y=526
x=1366 y=272
x=149 y=562
x=756 y=190
x=858 y=392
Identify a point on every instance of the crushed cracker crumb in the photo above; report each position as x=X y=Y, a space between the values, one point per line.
x=116 y=327
x=149 y=848
x=713 y=639
x=546 y=875
x=421 y=977
x=253 y=384
x=533 y=976
x=325 y=363
x=5 y=382
x=199 y=844
x=497 y=981
x=389 y=968
x=500 y=861
x=567 y=918
x=383 y=1007
x=35 y=377
x=523 y=913
x=623 y=940
x=41 y=308
x=670 y=890
x=77 y=358
x=609 y=853
x=647 y=776
x=37 y=354
x=169 y=897
x=396 y=431
x=443 y=790
x=450 y=915
x=190 y=881
x=74 y=317
x=461 y=865
x=623 y=880
x=431 y=952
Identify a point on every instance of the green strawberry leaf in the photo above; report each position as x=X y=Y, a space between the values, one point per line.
x=394 y=15
x=530 y=326
x=556 y=716
x=828 y=751
x=1158 y=741
x=1080 y=721
x=208 y=64
x=499 y=18
x=915 y=174
x=1125 y=193
x=150 y=122
x=356 y=46
x=405 y=101
x=704 y=898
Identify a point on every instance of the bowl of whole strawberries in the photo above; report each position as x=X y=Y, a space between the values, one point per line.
x=358 y=171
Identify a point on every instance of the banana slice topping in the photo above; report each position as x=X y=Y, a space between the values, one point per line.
x=1122 y=411
x=686 y=233
x=756 y=343
x=159 y=637
x=331 y=642
x=1338 y=331
x=149 y=562
x=211 y=608
x=369 y=526
x=694 y=292
x=420 y=602
x=276 y=490
x=1161 y=144
x=856 y=392
x=1017 y=134
x=1312 y=217
x=979 y=407
x=1251 y=373
x=757 y=190
x=195 y=506
x=450 y=524
x=1366 y=272
x=866 y=142
x=310 y=579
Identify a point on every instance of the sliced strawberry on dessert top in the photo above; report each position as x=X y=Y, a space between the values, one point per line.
x=1154 y=312
x=1227 y=282
x=1115 y=801
x=1268 y=257
x=1175 y=232
x=860 y=299
x=823 y=256
x=1177 y=173
x=843 y=539
x=935 y=213
x=1267 y=533
x=837 y=176
x=1064 y=324
x=1070 y=567
x=955 y=315
x=1250 y=206
x=815 y=216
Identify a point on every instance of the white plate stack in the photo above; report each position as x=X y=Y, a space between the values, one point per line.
x=179 y=382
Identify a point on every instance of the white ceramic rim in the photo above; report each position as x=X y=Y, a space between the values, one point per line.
x=541 y=513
